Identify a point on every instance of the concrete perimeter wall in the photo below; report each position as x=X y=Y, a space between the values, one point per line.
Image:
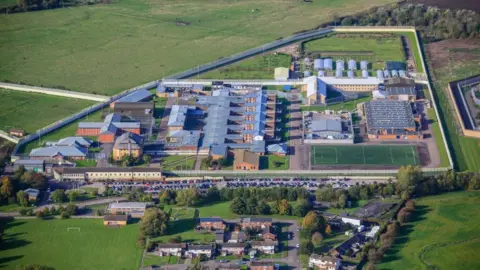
x=52 y=91
x=465 y=131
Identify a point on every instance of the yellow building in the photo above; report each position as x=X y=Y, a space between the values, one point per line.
x=115 y=220
x=128 y=144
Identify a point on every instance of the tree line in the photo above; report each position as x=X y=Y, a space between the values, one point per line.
x=434 y=23
x=35 y=5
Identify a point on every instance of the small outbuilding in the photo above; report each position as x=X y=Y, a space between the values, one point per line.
x=282 y=73
x=115 y=220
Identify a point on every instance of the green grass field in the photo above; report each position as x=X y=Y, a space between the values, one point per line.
x=272 y=162
x=445 y=219
x=171 y=163
x=48 y=242
x=384 y=49
x=369 y=155
x=438 y=138
x=108 y=48
x=257 y=67
x=32 y=111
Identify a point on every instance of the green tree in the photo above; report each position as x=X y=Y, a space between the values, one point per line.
x=317 y=239
x=58 y=196
x=238 y=206
x=302 y=208
x=6 y=190
x=263 y=208
x=314 y=222
x=71 y=209
x=213 y=194
x=154 y=223
x=188 y=197
x=147 y=159
x=46 y=211
x=72 y=196
x=342 y=201
x=22 y=198
x=39 y=214
x=408 y=178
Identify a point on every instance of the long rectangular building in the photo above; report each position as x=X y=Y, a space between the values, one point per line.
x=94 y=174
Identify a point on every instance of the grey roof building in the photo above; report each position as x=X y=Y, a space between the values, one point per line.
x=30 y=165
x=183 y=139
x=142 y=112
x=59 y=152
x=128 y=141
x=237 y=119
x=178 y=115
x=278 y=149
x=74 y=141
x=400 y=86
x=136 y=96
x=326 y=125
x=110 y=124
x=389 y=117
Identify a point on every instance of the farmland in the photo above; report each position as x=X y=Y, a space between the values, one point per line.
x=445 y=227
x=50 y=243
x=107 y=48
x=31 y=111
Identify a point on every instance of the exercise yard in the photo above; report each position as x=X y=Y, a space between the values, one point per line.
x=68 y=244
x=397 y=155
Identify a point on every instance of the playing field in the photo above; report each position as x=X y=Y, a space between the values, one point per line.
x=106 y=48
x=369 y=155
x=51 y=243
x=446 y=227
x=31 y=111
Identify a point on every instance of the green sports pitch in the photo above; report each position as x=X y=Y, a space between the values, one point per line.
x=365 y=154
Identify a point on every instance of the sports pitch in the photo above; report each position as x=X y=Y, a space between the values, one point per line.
x=369 y=155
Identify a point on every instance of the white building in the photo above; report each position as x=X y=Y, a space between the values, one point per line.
x=351 y=220
x=197 y=250
x=372 y=232
x=170 y=249
x=323 y=262
x=267 y=247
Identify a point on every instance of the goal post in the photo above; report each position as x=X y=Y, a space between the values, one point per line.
x=77 y=229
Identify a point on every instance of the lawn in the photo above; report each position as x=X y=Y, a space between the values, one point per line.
x=107 y=48
x=351 y=210
x=348 y=105
x=438 y=138
x=171 y=163
x=32 y=111
x=257 y=67
x=369 y=155
x=68 y=130
x=415 y=50
x=383 y=49
x=86 y=163
x=157 y=260
x=48 y=242
x=272 y=162
x=440 y=223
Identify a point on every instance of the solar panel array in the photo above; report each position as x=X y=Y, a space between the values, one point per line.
x=389 y=114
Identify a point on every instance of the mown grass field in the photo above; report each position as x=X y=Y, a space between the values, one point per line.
x=272 y=162
x=257 y=67
x=31 y=111
x=108 y=48
x=384 y=49
x=347 y=105
x=438 y=138
x=443 y=219
x=47 y=242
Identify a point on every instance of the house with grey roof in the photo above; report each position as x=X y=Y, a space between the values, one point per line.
x=136 y=96
x=391 y=120
x=398 y=88
x=59 y=152
x=107 y=130
x=182 y=140
x=327 y=128
x=29 y=165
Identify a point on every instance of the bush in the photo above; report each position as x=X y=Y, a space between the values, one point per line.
x=64 y=215
x=39 y=214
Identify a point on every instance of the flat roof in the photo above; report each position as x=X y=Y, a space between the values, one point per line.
x=389 y=114
x=115 y=218
x=138 y=205
x=350 y=81
x=136 y=96
x=107 y=170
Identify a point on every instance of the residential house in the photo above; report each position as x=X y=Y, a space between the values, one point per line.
x=128 y=144
x=267 y=246
x=134 y=209
x=237 y=237
x=229 y=267
x=246 y=161
x=170 y=249
x=232 y=249
x=350 y=247
x=323 y=262
x=219 y=236
x=268 y=233
x=255 y=222
x=197 y=250
x=115 y=220
x=212 y=223
x=32 y=193
x=262 y=266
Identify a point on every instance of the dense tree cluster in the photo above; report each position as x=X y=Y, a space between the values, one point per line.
x=11 y=187
x=33 y=5
x=434 y=23
x=154 y=223
x=314 y=227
